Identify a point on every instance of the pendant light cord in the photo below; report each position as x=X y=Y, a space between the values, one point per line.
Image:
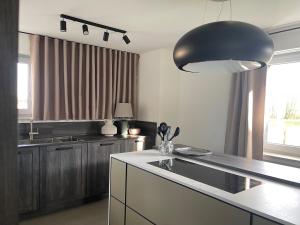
x=230 y=10
x=221 y=9
x=204 y=11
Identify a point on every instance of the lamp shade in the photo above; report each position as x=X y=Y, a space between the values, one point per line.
x=123 y=110
x=234 y=45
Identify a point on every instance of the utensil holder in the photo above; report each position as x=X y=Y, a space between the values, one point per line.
x=166 y=147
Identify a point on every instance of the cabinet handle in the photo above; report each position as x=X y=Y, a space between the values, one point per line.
x=106 y=144
x=137 y=141
x=64 y=148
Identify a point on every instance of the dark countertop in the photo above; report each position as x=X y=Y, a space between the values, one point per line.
x=81 y=139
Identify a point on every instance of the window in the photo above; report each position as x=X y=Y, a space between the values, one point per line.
x=282 y=112
x=24 y=87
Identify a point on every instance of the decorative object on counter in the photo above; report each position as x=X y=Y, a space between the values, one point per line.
x=164 y=131
x=124 y=112
x=232 y=45
x=134 y=131
x=109 y=129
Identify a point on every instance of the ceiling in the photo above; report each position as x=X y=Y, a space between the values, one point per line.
x=151 y=24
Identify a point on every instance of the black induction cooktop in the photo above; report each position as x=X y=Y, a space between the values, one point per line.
x=217 y=178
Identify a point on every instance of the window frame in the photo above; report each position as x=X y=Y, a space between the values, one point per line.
x=26 y=114
x=282 y=57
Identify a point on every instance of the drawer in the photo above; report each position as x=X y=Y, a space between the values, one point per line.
x=132 y=218
x=118 y=179
x=257 y=220
x=166 y=203
x=116 y=212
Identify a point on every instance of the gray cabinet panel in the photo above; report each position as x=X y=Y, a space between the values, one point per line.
x=134 y=144
x=257 y=220
x=28 y=179
x=116 y=212
x=98 y=166
x=132 y=218
x=129 y=145
x=166 y=203
x=118 y=179
x=63 y=173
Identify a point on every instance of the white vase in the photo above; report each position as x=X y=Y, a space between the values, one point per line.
x=109 y=129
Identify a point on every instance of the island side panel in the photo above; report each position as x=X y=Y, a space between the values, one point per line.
x=257 y=220
x=118 y=179
x=165 y=202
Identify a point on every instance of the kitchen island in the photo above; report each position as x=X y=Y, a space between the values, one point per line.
x=171 y=191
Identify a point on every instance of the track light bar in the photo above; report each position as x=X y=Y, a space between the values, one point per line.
x=63 y=16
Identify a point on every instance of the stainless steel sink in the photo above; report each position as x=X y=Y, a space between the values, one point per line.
x=66 y=139
x=36 y=141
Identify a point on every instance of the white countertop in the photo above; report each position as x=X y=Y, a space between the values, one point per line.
x=275 y=201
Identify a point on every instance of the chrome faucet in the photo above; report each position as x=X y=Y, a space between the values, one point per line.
x=32 y=133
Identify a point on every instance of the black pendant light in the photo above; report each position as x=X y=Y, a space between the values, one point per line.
x=234 y=45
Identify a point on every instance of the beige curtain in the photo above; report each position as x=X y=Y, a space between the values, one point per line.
x=73 y=81
x=245 y=123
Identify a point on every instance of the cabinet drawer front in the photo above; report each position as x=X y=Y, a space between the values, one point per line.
x=257 y=220
x=166 y=203
x=63 y=174
x=28 y=179
x=116 y=212
x=133 y=218
x=118 y=179
x=98 y=166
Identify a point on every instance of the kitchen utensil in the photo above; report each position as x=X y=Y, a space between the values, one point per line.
x=163 y=128
x=168 y=133
x=159 y=133
x=176 y=133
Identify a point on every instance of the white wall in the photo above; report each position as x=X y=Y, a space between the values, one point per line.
x=158 y=88
x=197 y=103
x=149 y=83
x=24 y=44
x=203 y=106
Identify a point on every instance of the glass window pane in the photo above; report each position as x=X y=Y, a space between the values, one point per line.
x=283 y=104
x=23 y=79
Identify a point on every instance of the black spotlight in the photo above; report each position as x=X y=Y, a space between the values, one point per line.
x=126 y=39
x=105 y=36
x=85 y=29
x=63 y=26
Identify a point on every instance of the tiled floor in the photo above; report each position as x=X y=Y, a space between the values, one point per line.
x=89 y=214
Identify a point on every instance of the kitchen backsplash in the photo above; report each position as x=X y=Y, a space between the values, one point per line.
x=50 y=129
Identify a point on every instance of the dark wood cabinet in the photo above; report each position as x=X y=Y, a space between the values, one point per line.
x=28 y=179
x=63 y=174
x=129 y=145
x=56 y=176
x=133 y=144
x=98 y=166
